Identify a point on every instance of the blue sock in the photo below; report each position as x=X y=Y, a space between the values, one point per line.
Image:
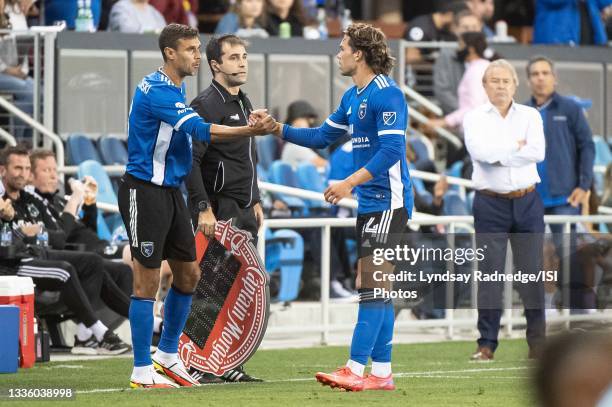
x=382 y=348
x=141 y=325
x=369 y=321
x=176 y=311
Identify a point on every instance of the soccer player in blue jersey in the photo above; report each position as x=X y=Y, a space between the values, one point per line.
x=160 y=131
x=374 y=113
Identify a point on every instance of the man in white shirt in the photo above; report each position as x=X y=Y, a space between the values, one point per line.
x=506 y=140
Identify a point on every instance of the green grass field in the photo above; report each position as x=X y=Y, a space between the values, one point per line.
x=432 y=374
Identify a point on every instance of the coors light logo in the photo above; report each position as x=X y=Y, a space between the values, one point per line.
x=230 y=307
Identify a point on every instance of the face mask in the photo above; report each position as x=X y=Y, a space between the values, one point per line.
x=606 y=399
x=462 y=54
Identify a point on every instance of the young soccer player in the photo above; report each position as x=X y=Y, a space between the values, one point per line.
x=374 y=113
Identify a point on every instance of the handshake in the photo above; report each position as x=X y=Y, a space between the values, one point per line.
x=262 y=123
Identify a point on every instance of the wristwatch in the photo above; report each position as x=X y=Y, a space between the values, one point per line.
x=203 y=206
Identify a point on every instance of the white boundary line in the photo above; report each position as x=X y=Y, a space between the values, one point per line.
x=431 y=374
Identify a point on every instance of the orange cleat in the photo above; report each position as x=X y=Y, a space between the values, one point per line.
x=372 y=382
x=343 y=378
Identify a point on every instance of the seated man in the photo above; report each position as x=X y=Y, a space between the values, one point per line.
x=59 y=275
x=31 y=216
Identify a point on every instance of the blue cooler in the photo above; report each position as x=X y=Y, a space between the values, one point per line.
x=9 y=338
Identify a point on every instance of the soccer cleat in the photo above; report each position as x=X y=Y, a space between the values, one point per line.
x=204 y=377
x=372 y=382
x=342 y=378
x=153 y=380
x=239 y=375
x=112 y=345
x=175 y=371
x=87 y=347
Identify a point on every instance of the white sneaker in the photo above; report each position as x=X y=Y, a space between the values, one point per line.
x=152 y=380
x=175 y=371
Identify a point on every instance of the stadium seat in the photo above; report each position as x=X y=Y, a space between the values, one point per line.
x=267 y=151
x=455 y=171
x=80 y=148
x=454 y=205
x=290 y=262
x=281 y=173
x=112 y=150
x=603 y=156
x=309 y=178
x=106 y=194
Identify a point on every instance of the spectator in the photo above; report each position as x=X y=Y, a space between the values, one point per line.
x=245 y=19
x=178 y=11
x=435 y=26
x=290 y=11
x=301 y=114
x=14 y=78
x=570 y=22
x=471 y=93
x=567 y=171
x=135 y=16
x=66 y=10
x=484 y=10
x=449 y=68
x=17 y=10
x=505 y=141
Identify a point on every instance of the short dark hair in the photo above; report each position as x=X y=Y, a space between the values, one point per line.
x=39 y=154
x=12 y=150
x=454 y=7
x=540 y=58
x=172 y=33
x=373 y=43
x=215 y=45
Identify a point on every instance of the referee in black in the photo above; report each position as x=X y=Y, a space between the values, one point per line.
x=223 y=179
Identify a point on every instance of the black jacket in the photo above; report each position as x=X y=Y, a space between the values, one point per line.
x=30 y=209
x=78 y=230
x=227 y=168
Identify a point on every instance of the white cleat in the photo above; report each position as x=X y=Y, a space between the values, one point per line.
x=175 y=371
x=152 y=380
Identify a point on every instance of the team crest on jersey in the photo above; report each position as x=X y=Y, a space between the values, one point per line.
x=389 y=118
x=147 y=248
x=33 y=210
x=362 y=109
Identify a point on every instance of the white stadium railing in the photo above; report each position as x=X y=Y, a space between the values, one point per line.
x=450 y=322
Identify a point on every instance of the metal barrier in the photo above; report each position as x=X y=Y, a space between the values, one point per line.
x=449 y=322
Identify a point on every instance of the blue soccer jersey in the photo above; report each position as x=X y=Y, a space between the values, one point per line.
x=160 y=128
x=376 y=118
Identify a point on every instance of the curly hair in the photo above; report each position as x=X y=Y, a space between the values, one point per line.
x=373 y=43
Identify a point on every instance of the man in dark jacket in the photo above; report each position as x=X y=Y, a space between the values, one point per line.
x=567 y=170
x=223 y=179
x=80 y=276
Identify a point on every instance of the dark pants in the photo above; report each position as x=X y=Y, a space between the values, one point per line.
x=576 y=276
x=96 y=281
x=521 y=221
x=242 y=218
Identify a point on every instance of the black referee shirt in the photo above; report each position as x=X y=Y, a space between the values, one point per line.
x=223 y=168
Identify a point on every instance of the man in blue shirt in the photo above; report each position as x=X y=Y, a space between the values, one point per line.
x=156 y=218
x=374 y=113
x=567 y=169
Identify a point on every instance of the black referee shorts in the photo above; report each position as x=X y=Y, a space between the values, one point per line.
x=380 y=230
x=157 y=222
